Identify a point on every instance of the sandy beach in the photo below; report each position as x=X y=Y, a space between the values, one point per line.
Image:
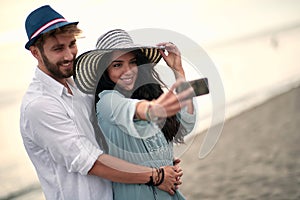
x=256 y=157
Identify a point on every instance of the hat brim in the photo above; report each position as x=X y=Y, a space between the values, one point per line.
x=55 y=26
x=86 y=66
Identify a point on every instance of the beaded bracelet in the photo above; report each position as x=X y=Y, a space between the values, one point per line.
x=148 y=115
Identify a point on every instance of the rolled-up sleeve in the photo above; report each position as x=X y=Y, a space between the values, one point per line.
x=187 y=120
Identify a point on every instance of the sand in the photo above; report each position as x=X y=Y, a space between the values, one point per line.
x=256 y=157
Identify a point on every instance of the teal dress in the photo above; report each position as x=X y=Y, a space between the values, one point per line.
x=136 y=141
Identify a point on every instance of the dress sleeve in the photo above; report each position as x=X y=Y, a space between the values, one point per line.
x=55 y=131
x=118 y=110
x=187 y=120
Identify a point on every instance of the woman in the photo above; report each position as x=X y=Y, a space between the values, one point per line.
x=139 y=121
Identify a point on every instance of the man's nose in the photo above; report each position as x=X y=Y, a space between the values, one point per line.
x=69 y=55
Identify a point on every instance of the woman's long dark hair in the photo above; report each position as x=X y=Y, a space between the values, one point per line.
x=148 y=86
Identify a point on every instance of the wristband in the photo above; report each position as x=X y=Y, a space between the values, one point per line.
x=162 y=171
x=150 y=182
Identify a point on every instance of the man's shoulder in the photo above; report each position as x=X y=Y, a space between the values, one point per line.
x=36 y=95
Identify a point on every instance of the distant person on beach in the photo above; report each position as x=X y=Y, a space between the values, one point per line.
x=129 y=105
x=56 y=122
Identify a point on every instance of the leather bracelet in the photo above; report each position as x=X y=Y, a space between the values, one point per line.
x=162 y=171
x=150 y=182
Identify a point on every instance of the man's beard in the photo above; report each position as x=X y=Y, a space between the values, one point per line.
x=54 y=68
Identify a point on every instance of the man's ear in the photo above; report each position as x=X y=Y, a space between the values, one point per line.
x=35 y=52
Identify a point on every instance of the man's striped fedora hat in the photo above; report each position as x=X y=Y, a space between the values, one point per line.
x=86 y=66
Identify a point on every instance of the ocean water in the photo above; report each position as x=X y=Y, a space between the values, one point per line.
x=256 y=68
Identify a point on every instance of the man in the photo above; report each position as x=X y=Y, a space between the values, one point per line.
x=56 y=121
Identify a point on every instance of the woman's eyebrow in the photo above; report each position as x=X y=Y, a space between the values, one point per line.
x=117 y=61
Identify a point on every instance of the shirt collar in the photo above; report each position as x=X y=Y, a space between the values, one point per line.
x=53 y=85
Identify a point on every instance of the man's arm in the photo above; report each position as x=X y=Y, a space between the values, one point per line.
x=118 y=170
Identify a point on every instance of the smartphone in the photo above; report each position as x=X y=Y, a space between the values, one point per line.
x=200 y=86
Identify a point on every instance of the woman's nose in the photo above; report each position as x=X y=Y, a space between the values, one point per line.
x=127 y=67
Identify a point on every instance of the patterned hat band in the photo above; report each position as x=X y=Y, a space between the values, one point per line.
x=86 y=66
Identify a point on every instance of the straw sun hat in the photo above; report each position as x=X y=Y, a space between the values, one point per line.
x=86 y=67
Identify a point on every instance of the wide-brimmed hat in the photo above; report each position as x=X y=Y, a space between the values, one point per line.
x=42 y=20
x=87 y=71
